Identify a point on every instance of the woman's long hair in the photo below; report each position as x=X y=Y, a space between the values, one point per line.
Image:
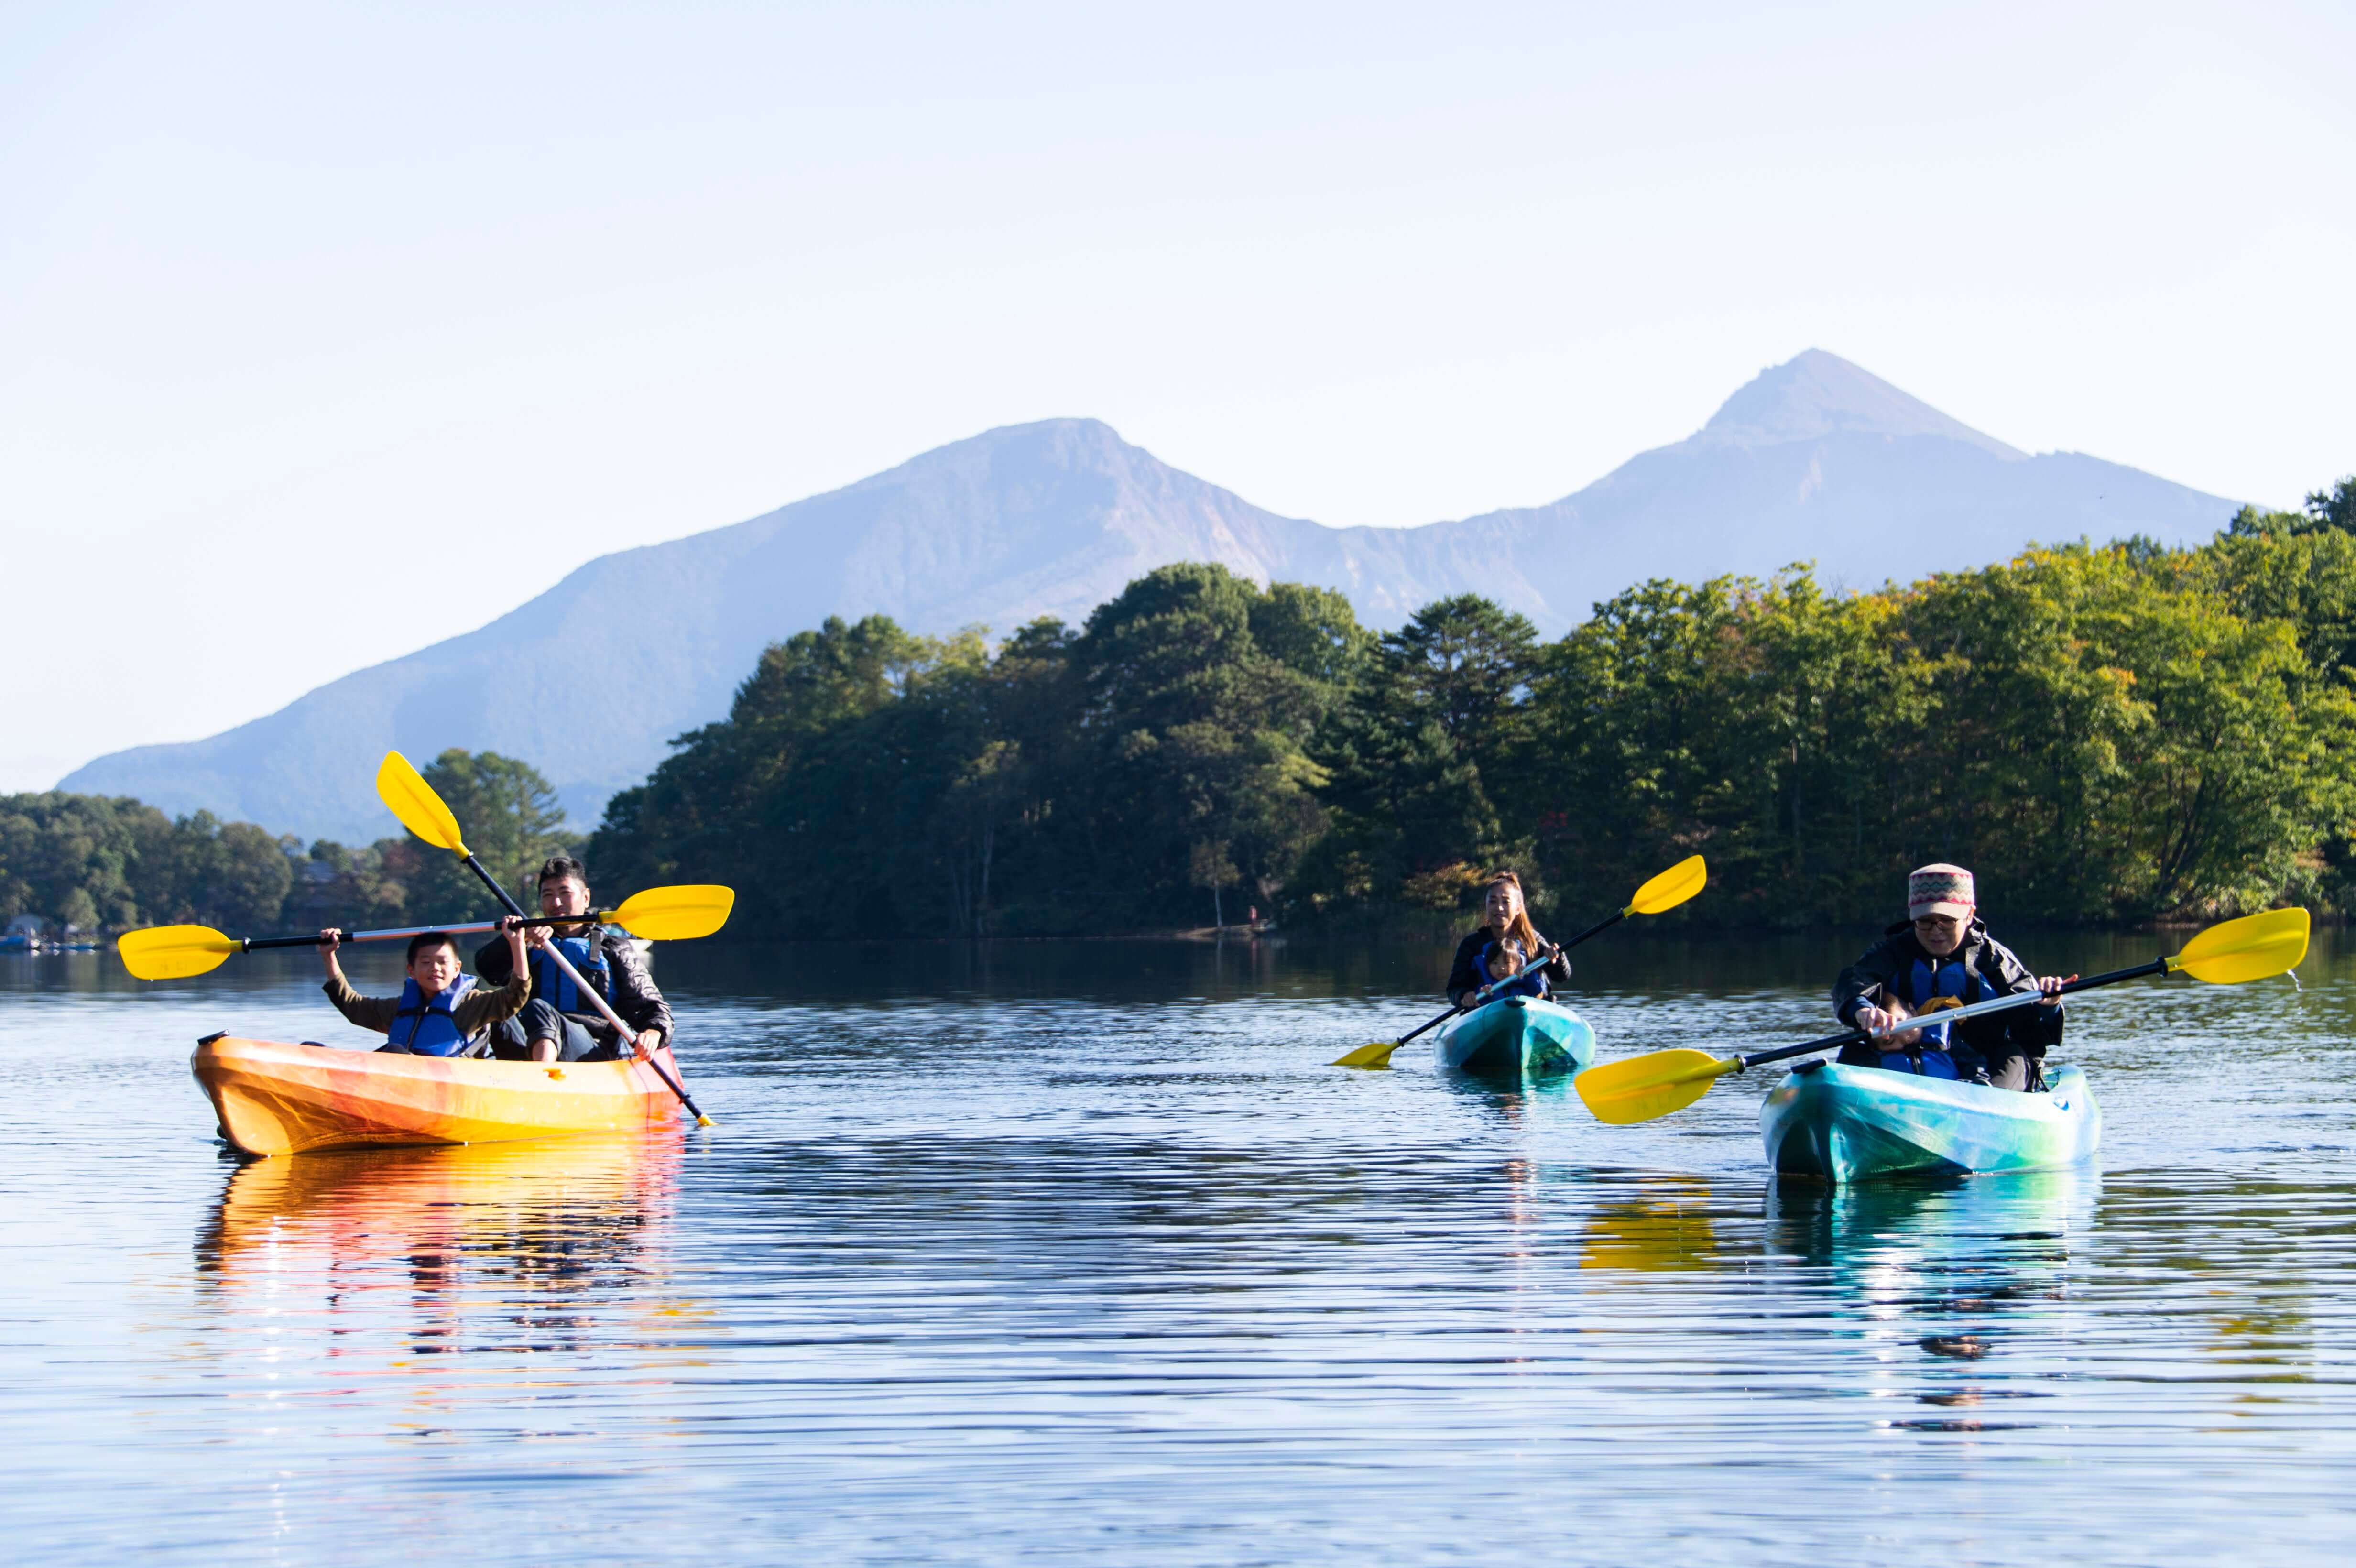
x=1519 y=928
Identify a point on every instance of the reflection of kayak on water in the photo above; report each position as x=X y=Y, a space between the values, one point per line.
x=286 y=1099
x=1516 y=1037
x=512 y=1246
x=393 y=1202
x=1852 y=1124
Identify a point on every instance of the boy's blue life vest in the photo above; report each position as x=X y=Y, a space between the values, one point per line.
x=1920 y=985
x=1527 y=986
x=430 y=1027
x=555 y=986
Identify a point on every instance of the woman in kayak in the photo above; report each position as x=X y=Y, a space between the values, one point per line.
x=1942 y=953
x=1502 y=945
x=440 y=1012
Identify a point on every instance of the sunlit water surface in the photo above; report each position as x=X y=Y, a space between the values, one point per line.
x=1082 y=1252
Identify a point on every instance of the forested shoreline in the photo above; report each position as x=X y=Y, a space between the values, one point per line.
x=2107 y=735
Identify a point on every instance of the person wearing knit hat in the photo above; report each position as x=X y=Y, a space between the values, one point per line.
x=1942 y=955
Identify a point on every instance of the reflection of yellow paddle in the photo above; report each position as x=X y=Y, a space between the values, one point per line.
x=1665 y=891
x=660 y=914
x=1643 y=1087
x=407 y=794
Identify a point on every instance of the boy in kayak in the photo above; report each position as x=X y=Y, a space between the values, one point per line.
x=559 y=1024
x=1502 y=945
x=1944 y=953
x=441 y=1011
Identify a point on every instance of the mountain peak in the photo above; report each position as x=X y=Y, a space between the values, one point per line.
x=1817 y=394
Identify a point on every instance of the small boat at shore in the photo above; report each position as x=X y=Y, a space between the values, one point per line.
x=1516 y=1037
x=274 y=1099
x=1854 y=1124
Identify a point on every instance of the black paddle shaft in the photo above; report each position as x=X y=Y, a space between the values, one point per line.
x=513 y=908
x=1859 y=1036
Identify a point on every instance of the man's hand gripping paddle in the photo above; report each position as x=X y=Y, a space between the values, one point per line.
x=1665 y=891
x=1639 y=1088
x=412 y=800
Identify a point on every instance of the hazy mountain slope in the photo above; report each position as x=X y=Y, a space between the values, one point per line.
x=1814 y=459
x=1818 y=459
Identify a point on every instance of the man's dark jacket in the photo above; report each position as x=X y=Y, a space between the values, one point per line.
x=2023 y=1030
x=633 y=994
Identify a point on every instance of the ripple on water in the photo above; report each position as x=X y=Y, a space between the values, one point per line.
x=1057 y=1268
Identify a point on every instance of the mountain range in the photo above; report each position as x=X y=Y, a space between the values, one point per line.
x=1814 y=460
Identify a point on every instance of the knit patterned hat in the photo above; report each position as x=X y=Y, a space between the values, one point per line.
x=1940 y=890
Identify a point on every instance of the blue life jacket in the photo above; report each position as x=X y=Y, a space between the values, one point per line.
x=1925 y=982
x=1529 y=986
x=430 y=1027
x=555 y=986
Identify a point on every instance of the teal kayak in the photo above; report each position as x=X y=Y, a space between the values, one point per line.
x=1516 y=1037
x=1853 y=1124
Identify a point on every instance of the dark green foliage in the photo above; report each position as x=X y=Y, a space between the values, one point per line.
x=868 y=781
x=89 y=862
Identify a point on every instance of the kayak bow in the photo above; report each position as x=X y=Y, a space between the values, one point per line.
x=1518 y=1037
x=1853 y=1124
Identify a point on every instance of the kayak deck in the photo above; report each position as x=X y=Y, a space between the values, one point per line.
x=1516 y=1037
x=1853 y=1124
x=273 y=1098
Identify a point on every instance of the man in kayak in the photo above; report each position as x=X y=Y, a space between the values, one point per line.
x=441 y=1011
x=1942 y=955
x=559 y=1024
x=1502 y=945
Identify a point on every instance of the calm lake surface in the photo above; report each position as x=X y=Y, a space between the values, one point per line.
x=1048 y=1252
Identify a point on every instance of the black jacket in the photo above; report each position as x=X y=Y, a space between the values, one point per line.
x=1464 y=979
x=2027 y=1029
x=633 y=994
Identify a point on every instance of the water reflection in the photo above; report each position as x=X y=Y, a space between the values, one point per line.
x=1957 y=1285
x=497 y=1247
x=1665 y=1224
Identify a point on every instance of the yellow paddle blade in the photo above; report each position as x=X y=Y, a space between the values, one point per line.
x=407 y=794
x=1376 y=1055
x=675 y=914
x=2251 y=948
x=1671 y=888
x=175 y=952
x=1639 y=1088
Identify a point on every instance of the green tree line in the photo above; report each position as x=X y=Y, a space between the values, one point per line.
x=2105 y=734
x=2114 y=734
x=94 y=862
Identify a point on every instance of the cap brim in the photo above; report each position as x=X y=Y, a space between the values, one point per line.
x=1944 y=906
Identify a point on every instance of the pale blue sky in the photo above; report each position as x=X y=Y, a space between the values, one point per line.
x=329 y=331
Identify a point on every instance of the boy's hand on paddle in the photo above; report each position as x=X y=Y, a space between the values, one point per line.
x=2050 y=985
x=330 y=940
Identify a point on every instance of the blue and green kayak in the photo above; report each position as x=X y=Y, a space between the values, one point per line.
x=1516 y=1037
x=1853 y=1124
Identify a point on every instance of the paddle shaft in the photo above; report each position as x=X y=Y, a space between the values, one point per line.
x=1481 y=996
x=629 y=1036
x=1948 y=1015
x=257 y=944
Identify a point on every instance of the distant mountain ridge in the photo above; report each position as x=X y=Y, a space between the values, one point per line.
x=1813 y=459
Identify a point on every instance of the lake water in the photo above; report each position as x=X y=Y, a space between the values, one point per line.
x=1080 y=1253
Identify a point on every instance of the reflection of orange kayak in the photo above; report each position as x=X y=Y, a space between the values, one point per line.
x=286 y=1099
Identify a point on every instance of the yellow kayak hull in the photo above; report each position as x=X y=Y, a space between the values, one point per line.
x=275 y=1099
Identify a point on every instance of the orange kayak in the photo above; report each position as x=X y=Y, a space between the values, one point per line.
x=288 y=1099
